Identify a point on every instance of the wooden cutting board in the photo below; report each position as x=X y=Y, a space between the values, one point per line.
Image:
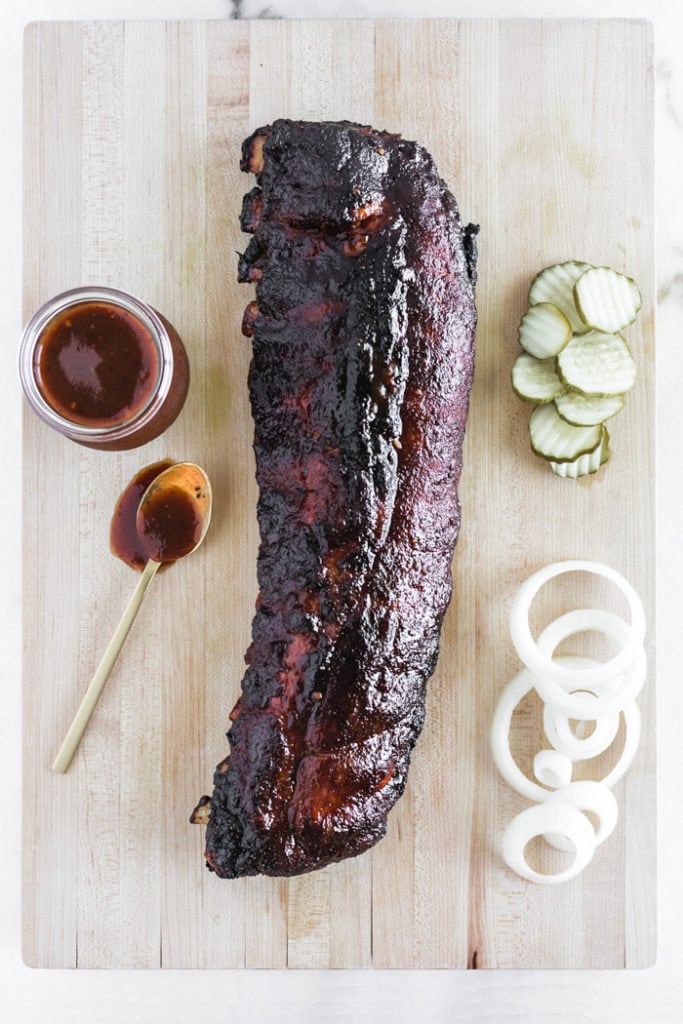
x=544 y=130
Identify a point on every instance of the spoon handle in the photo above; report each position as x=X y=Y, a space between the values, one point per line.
x=92 y=694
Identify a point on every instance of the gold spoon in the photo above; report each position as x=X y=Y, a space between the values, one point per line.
x=172 y=518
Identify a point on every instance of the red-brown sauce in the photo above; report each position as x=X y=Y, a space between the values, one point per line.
x=169 y=524
x=96 y=364
x=125 y=541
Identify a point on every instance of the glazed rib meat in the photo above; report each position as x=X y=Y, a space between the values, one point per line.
x=363 y=345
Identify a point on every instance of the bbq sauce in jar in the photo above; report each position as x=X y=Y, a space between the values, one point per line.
x=96 y=364
x=103 y=368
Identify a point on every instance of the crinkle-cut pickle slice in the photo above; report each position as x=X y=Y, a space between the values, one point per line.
x=607 y=300
x=558 y=441
x=585 y=411
x=597 y=364
x=544 y=330
x=555 y=284
x=585 y=464
x=535 y=380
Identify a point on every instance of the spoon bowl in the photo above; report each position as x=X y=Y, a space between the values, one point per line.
x=172 y=519
x=174 y=512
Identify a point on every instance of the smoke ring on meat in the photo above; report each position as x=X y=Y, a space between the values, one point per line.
x=363 y=352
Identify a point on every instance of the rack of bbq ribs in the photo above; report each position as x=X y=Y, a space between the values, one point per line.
x=363 y=348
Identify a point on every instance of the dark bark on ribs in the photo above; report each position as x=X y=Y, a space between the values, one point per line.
x=362 y=332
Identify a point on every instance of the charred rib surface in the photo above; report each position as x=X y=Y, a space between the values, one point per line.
x=363 y=346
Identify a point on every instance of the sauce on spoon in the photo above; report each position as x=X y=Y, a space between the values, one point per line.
x=169 y=524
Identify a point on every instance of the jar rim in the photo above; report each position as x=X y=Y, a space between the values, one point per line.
x=116 y=297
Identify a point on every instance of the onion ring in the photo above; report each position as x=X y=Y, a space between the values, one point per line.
x=554 y=817
x=561 y=737
x=514 y=692
x=587 y=795
x=528 y=649
x=516 y=689
x=624 y=688
x=570 y=687
x=632 y=721
x=553 y=768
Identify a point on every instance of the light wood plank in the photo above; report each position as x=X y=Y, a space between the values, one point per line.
x=52 y=224
x=99 y=756
x=560 y=149
x=236 y=929
x=140 y=668
x=184 y=593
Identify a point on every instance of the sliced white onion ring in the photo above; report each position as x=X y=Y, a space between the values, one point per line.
x=571 y=687
x=516 y=689
x=540 y=663
x=514 y=692
x=579 y=748
x=614 y=692
x=512 y=695
x=587 y=620
x=632 y=721
x=553 y=768
x=587 y=795
x=632 y=725
x=554 y=817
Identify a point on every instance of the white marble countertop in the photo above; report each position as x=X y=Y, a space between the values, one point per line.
x=646 y=997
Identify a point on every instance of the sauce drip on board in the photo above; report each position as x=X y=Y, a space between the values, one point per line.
x=96 y=364
x=125 y=541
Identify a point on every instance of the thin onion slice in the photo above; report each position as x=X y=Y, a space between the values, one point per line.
x=632 y=727
x=512 y=695
x=613 y=693
x=577 y=688
x=586 y=795
x=556 y=818
x=553 y=768
x=516 y=689
x=579 y=748
x=514 y=692
x=540 y=663
x=632 y=721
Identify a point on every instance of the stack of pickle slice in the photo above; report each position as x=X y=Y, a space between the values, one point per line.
x=576 y=367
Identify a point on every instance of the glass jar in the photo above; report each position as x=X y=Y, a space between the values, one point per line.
x=103 y=368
